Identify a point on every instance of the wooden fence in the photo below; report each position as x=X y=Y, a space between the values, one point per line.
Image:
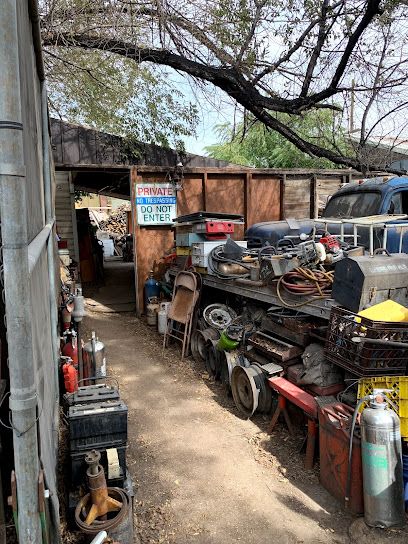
x=259 y=195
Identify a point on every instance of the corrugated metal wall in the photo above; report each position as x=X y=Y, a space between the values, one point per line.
x=34 y=321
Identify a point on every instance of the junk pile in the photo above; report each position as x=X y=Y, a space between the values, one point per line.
x=98 y=484
x=313 y=332
x=117 y=222
x=115 y=231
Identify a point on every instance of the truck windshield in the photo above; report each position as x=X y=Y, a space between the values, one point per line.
x=358 y=204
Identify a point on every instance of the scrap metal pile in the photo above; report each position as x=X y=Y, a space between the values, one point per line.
x=282 y=360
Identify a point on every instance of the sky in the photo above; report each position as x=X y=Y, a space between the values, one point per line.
x=214 y=108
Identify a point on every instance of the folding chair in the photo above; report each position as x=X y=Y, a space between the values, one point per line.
x=181 y=312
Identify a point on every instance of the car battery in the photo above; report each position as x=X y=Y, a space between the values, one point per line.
x=89 y=394
x=200 y=251
x=78 y=467
x=97 y=425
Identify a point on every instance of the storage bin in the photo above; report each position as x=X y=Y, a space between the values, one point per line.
x=365 y=359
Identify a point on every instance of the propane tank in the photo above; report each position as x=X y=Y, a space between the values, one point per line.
x=79 y=306
x=151 y=289
x=70 y=376
x=382 y=464
x=162 y=317
x=70 y=348
x=94 y=360
x=151 y=311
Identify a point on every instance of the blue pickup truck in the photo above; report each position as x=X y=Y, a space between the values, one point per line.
x=381 y=196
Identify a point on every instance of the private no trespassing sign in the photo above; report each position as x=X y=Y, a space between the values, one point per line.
x=156 y=203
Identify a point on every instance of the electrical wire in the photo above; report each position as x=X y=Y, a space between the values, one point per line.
x=303 y=282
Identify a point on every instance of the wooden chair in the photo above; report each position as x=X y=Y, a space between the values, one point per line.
x=181 y=312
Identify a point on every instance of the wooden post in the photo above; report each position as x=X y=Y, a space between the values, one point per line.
x=282 y=184
x=204 y=190
x=313 y=197
x=132 y=181
x=247 y=182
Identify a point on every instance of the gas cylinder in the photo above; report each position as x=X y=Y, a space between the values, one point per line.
x=162 y=317
x=151 y=289
x=70 y=348
x=382 y=465
x=151 y=311
x=94 y=360
x=70 y=376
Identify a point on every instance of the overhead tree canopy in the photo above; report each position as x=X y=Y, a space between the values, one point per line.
x=270 y=56
x=250 y=143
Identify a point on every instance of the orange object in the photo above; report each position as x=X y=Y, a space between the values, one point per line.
x=70 y=349
x=70 y=377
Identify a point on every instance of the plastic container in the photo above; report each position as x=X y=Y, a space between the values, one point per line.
x=108 y=248
x=365 y=359
x=226 y=343
x=398 y=386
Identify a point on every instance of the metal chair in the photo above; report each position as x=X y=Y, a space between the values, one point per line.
x=181 y=312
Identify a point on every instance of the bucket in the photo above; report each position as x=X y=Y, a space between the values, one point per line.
x=226 y=343
x=405 y=476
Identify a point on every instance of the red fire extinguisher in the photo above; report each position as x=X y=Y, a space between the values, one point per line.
x=70 y=348
x=70 y=376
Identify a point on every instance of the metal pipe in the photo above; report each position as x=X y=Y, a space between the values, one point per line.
x=37 y=245
x=13 y=213
x=50 y=219
x=100 y=538
x=36 y=30
x=371 y=234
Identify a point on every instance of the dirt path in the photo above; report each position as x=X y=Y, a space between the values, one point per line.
x=202 y=474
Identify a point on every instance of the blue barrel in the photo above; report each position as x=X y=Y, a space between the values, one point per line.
x=405 y=476
x=151 y=289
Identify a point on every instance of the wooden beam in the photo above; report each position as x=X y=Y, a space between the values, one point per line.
x=247 y=182
x=313 y=196
x=282 y=183
x=132 y=182
x=204 y=190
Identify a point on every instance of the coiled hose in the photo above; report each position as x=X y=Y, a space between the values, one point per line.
x=303 y=282
x=217 y=257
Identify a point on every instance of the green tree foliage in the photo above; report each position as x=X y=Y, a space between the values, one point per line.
x=115 y=95
x=252 y=144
